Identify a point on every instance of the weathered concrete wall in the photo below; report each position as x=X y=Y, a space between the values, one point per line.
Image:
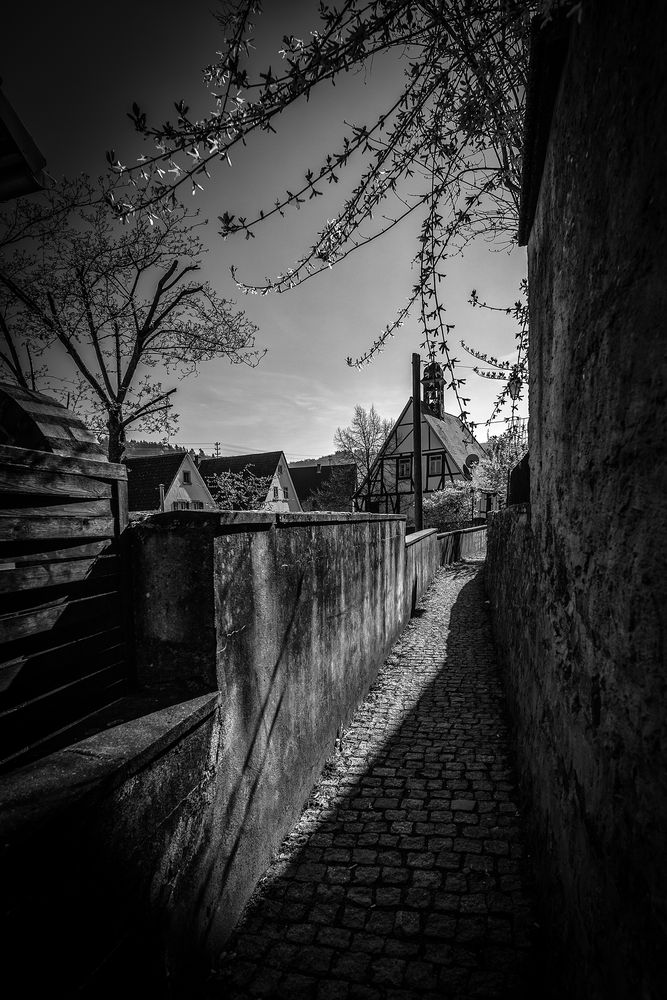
x=305 y=609
x=422 y=560
x=466 y=543
x=577 y=585
x=265 y=632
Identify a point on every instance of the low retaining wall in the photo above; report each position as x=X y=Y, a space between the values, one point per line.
x=265 y=632
x=466 y=543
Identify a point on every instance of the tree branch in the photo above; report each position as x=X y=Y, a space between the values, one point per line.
x=15 y=364
x=93 y=333
x=148 y=407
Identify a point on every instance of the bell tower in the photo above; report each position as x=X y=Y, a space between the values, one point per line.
x=434 y=388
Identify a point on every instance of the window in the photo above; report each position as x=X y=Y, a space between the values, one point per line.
x=275 y=492
x=405 y=467
x=285 y=493
x=180 y=505
x=280 y=470
x=435 y=465
x=187 y=477
x=197 y=504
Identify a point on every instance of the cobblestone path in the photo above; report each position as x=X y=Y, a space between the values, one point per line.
x=404 y=878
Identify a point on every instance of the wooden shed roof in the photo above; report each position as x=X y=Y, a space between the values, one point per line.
x=32 y=420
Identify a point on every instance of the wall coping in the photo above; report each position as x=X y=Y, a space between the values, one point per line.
x=41 y=791
x=462 y=531
x=418 y=536
x=228 y=522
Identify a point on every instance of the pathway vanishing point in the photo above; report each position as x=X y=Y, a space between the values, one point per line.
x=405 y=878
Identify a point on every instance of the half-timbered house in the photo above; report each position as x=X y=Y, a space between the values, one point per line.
x=449 y=453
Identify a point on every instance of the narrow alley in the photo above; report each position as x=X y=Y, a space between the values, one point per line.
x=405 y=877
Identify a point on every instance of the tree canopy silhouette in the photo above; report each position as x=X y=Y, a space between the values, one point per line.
x=446 y=147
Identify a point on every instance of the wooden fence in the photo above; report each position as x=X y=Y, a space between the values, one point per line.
x=64 y=596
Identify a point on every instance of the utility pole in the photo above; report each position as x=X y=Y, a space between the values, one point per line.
x=417 y=441
x=217 y=449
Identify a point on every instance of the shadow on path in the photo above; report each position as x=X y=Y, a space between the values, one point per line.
x=405 y=877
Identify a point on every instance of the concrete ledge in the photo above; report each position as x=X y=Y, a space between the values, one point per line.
x=97 y=840
x=251 y=520
x=462 y=531
x=418 y=536
x=98 y=764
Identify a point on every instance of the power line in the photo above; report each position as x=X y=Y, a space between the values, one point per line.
x=242 y=449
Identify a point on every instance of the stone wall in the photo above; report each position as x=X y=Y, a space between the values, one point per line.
x=577 y=580
x=256 y=637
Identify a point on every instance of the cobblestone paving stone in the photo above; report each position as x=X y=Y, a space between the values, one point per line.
x=405 y=877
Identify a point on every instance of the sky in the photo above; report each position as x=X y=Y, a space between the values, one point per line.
x=73 y=69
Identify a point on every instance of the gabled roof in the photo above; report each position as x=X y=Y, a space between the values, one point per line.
x=146 y=474
x=455 y=437
x=264 y=463
x=307 y=480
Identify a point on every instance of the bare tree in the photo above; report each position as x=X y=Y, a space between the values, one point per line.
x=363 y=438
x=119 y=305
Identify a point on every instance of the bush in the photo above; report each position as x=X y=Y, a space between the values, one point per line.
x=451 y=508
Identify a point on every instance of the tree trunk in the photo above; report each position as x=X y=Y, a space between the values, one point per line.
x=116 y=436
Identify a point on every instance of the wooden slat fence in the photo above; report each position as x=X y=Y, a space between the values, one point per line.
x=63 y=596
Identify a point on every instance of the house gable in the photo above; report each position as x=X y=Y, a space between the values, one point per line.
x=188 y=487
x=146 y=474
x=446 y=444
x=271 y=464
x=287 y=498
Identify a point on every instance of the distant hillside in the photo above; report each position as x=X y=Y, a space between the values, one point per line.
x=135 y=449
x=338 y=458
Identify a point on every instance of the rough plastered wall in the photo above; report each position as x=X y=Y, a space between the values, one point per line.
x=289 y=616
x=578 y=586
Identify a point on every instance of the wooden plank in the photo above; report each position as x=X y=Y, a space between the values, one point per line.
x=52 y=574
x=75 y=730
x=121 y=506
x=61 y=463
x=60 y=428
x=98 y=634
x=29 y=674
x=44 y=481
x=36 y=704
x=34 y=722
x=77 y=508
x=10 y=559
x=32 y=405
x=18 y=526
x=61 y=613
